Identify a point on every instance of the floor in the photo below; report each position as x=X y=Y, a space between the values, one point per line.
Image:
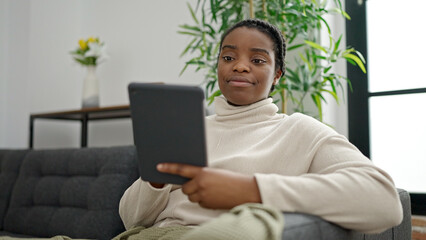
x=418 y=227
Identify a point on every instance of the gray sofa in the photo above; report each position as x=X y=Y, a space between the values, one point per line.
x=75 y=192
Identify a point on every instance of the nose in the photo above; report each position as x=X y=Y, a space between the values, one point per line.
x=241 y=66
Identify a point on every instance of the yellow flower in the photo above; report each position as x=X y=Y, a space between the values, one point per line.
x=91 y=39
x=83 y=44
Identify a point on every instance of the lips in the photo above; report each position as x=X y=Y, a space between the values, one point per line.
x=238 y=81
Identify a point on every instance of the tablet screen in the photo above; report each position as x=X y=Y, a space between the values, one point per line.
x=168 y=126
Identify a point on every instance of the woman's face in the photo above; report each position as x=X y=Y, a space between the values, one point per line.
x=246 y=66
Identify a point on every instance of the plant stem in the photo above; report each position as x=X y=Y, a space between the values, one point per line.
x=283 y=101
x=300 y=105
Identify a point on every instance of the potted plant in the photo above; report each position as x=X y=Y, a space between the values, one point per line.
x=309 y=71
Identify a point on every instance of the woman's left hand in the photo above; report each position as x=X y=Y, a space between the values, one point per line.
x=215 y=188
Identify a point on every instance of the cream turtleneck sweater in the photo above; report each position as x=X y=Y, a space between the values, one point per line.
x=300 y=165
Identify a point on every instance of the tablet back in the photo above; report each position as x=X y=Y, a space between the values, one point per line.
x=168 y=126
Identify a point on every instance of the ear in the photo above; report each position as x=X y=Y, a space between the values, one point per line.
x=277 y=76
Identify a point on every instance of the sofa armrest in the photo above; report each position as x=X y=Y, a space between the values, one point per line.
x=10 y=162
x=403 y=230
x=400 y=232
x=303 y=226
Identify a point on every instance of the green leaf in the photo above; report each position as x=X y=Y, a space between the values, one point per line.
x=189 y=33
x=315 y=45
x=333 y=86
x=213 y=8
x=295 y=47
x=192 y=13
x=319 y=57
x=210 y=85
x=195 y=61
x=212 y=32
x=191 y=28
x=357 y=60
x=332 y=94
x=327 y=69
x=317 y=100
x=293 y=75
x=351 y=61
x=306 y=61
x=349 y=50
x=360 y=56
x=204 y=40
x=216 y=49
x=342 y=12
x=349 y=84
x=183 y=69
x=197 y=45
x=215 y=94
x=81 y=61
x=337 y=2
x=326 y=24
x=188 y=47
x=336 y=45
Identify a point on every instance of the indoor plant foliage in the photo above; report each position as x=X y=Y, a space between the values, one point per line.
x=90 y=52
x=310 y=72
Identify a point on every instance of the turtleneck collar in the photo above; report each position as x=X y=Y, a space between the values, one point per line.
x=256 y=112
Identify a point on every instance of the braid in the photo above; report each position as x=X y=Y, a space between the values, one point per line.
x=270 y=30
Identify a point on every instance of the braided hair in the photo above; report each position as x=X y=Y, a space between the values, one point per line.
x=270 y=30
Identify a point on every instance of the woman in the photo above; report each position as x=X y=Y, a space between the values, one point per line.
x=291 y=163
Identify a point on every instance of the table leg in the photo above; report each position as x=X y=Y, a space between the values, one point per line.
x=84 y=123
x=31 y=132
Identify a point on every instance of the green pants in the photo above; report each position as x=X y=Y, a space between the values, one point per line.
x=245 y=222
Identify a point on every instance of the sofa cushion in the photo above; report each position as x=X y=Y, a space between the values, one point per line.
x=10 y=161
x=72 y=192
x=304 y=226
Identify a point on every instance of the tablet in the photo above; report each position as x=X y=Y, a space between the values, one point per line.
x=168 y=126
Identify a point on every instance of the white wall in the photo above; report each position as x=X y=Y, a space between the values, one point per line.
x=336 y=114
x=37 y=73
x=3 y=61
x=15 y=76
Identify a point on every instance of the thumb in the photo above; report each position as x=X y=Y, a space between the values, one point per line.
x=184 y=170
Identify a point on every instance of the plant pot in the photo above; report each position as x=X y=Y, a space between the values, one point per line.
x=90 y=97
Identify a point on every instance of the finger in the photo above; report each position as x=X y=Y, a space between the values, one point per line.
x=190 y=187
x=183 y=170
x=195 y=197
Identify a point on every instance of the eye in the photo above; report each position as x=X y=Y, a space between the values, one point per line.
x=227 y=58
x=258 y=61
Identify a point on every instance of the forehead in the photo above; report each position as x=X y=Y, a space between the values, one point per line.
x=250 y=37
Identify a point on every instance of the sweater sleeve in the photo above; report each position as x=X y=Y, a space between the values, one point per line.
x=342 y=186
x=141 y=204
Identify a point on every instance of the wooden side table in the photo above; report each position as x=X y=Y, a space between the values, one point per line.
x=84 y=116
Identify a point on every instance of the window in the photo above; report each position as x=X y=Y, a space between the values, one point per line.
x=386 y=109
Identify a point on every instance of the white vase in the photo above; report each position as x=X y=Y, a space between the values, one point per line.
x=90 y=89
